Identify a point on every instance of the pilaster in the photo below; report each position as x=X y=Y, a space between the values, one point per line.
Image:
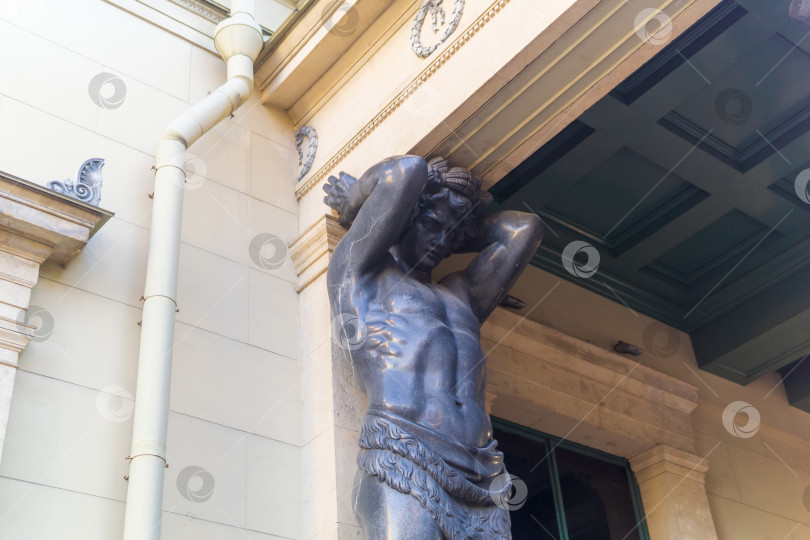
x=332 y=404
x=673 y=493
x=36 y=224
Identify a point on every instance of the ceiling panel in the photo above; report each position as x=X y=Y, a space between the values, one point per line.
x=683 y=180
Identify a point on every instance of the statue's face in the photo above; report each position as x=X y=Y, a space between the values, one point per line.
x=435 y=233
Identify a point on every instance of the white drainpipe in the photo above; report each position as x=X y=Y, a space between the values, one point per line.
x=239 y=40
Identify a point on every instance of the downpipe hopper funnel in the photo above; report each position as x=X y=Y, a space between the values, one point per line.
x=239 y=34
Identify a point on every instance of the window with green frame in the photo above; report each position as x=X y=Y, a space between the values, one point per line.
x=566 y=491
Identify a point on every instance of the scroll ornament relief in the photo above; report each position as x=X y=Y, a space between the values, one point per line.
x=87 y=187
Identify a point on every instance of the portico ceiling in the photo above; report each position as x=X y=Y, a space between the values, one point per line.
x=688 y=181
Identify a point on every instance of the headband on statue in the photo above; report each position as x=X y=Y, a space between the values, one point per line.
x=458 y=179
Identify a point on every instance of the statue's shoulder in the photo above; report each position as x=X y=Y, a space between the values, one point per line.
x=342 y=273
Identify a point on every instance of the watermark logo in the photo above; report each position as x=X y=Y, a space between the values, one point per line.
x=750 y=428
x=661 y=340
x=509 y=492
x=653 y=26
x=195 y=484
x=115 y=404
x=343 y=20
x=733 y=106
x=107 y=90
x=800 y=185
x=268 y=251
x=424 y=101
x=38 y=317
x=195 y=169
x=349 y=331
x=585 y=270
x=434 y=415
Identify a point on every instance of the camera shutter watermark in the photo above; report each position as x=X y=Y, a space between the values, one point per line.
x=343 y=20
x=800 y=185
x=195 y=169
x=653 y=26
x=38 y=317
x=509 y=492
x=107 y=90
x=268 y=251
x=750 y=428
x=424 y=101
x=661 y=340
x=590 y=266
x=115 y=404
x=733 y=106
x=195 y=484
x=349 y=331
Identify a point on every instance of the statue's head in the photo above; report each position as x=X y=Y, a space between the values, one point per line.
x=449 y=212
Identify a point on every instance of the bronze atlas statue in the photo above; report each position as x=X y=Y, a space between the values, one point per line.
x=429 y=468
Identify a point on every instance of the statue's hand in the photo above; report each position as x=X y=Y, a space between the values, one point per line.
x=339 y=197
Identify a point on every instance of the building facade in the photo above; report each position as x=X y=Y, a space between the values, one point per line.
x=611 y=119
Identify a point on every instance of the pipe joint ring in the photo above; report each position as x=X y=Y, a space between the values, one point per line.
x=148 y=296
x=161 y=458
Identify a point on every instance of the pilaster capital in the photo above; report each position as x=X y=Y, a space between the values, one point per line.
x=311 y=250
x=666 y=459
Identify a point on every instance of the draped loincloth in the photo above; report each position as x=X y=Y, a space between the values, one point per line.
x=465 y=489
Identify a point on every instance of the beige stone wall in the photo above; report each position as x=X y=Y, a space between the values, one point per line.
x=234 y=425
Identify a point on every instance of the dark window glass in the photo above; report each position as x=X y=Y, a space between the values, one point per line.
x=568 y=492
x=596 y=498
x=524 y=460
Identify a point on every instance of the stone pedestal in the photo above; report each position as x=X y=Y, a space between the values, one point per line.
x=673 y=493
x=36 y=224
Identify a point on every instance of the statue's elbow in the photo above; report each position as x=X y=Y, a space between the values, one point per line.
x=403 y=173
x=535 y=227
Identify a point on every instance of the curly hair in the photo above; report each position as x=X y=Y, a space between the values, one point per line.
x=463 y=193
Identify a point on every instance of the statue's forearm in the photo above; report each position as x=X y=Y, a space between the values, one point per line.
x=361 y=190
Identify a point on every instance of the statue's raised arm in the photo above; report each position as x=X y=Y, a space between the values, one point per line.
x=376 y=206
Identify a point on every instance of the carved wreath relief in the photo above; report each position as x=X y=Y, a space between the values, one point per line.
x=438 y=19
x=305 y=160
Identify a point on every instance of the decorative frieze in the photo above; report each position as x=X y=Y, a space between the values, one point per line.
x=208 y=10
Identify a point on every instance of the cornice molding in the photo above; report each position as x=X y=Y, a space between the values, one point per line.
x=205 y=9
x=509 y=329
x=403 y=95
x=43 y=224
